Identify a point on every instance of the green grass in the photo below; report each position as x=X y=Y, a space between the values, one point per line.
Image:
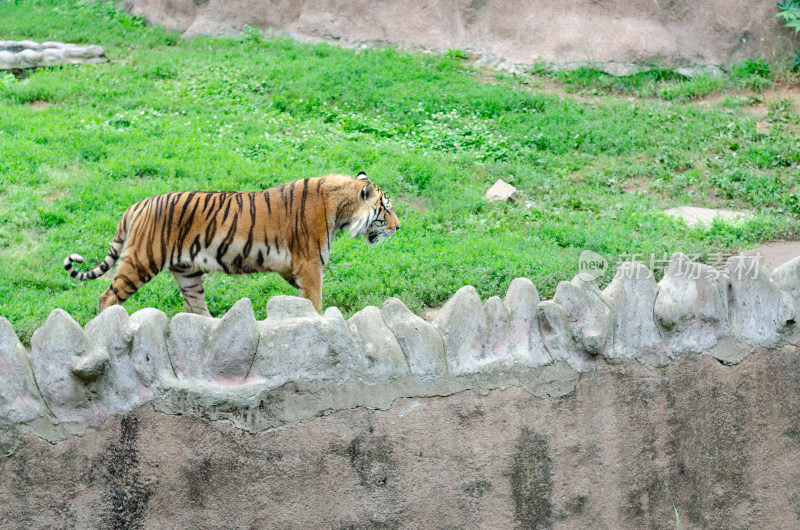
x=80 y=144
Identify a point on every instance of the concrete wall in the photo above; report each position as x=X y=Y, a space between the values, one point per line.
x=594 y=408
x=672 y=32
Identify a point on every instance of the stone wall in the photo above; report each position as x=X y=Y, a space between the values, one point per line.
x=618 y=32
x=596 y=407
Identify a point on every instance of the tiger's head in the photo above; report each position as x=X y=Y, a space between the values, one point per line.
x=376 y=217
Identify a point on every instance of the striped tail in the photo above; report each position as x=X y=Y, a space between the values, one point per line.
x=102 y=268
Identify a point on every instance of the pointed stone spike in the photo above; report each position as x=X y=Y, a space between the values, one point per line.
x=421 y=342
x=54 y=349
x=499 y=340
x=787 y=276
x=691 y=306
x=20 y=400
x=522 y=302
x=462 y=323
x=383 y=359
x=231 y=345
x=632 y=293
x=759 y=308
x=108 y=330
x=149 y=350
x=590 y=318
x=557 y=338
x=188 y=336
x=117 y=389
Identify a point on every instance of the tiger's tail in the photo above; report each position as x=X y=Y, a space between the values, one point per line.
x=113 y=254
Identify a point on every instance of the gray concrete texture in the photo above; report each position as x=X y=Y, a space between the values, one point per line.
x=615 y=33
x=515 y=411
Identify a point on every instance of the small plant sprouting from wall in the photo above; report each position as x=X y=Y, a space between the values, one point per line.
x=789 y=11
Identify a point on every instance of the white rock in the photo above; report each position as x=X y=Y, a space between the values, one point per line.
x=305 y=348
x=54 y=348
x=20 y=400
x=383 y=359
x=691 y=306
x=787 y=276
x=759 y=308
x=590 y=318
x=421 y=342
x=632 y=293
x=462 y=323
x=501 y=191
x=557 y=337
x=522 y=302
x=149 y=350
x=219 y=351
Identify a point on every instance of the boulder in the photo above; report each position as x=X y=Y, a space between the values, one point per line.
x=590 y=318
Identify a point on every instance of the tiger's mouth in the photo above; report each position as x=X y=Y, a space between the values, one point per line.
x=378 y=235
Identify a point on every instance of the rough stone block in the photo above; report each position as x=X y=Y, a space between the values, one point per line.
x=691 y=306
x=149 y=349
x=557 y=337
x=20 y=400
x=759 y=308
x=462 y=323
x=109 y=336
x=421 y=342
x=590 y=318
x=383 y=359
x=308 y=348
x=55 y=347
x=632 y=294
x=522 y=303
x=219 y=351
x=787 y=276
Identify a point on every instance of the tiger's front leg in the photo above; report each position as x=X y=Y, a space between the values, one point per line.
x=308 y=279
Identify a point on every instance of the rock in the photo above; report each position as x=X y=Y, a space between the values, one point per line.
x=557 y=337
x=501 y=191
x=109 y=337
x=20 y=400
x=421 y=342
x=305 y=348
x=219 y=351
x=28 y=54
x=149 y=349
x=691 y=306
x=55 y=347
x=632 y=294
x=759 y=308
x=283 y=307
x=787 y=276
x=383 y=359
x=522 y=303
x=590 y=319
x=570 y=34
x=705 y=216
x=462 y=323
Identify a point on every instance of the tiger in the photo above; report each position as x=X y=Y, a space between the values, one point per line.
x=287 y=229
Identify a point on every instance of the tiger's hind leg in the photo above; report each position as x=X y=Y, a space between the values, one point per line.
x=130 y=277
x=308 y=280
x=190 y=282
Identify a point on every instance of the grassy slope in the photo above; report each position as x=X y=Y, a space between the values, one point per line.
x=249 y=113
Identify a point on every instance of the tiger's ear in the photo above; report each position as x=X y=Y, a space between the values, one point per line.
x=367 y=190
x=362 y=176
